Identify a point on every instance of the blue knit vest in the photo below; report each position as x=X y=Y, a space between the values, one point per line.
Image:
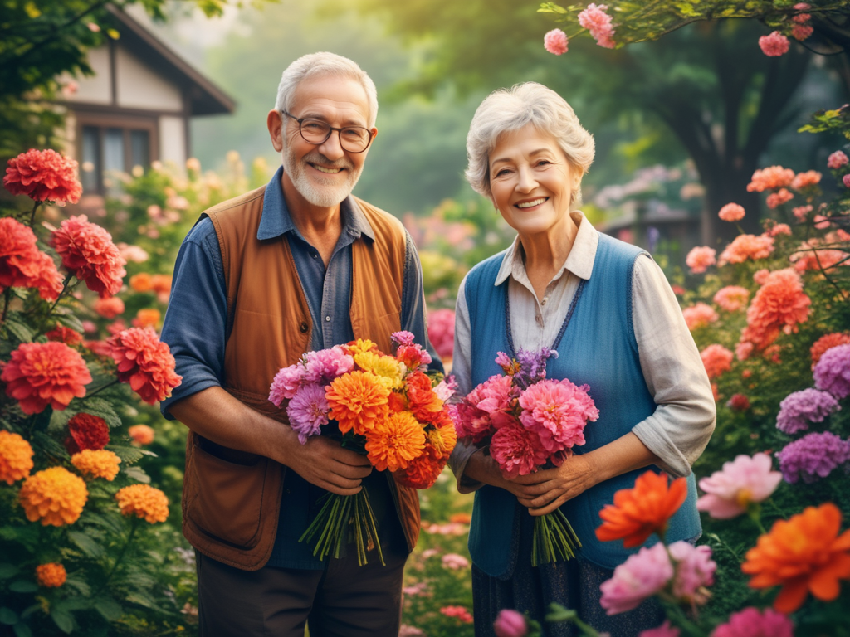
x=597 y=347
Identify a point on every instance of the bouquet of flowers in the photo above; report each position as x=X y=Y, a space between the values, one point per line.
x=528 y=423
x=385 y=407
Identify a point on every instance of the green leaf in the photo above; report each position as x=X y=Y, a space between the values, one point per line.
x=22 y=630
x=21 y=330
x=128 y=455
x=87 y=544
x=59 y=420
x=99 y=407
x=23 y=586
x=70 y=321
x=74 y=603
x=8 y=570
x=109 y=608
x=8 y=533
x=8 y=616
x=63 y=619
x=45 y=443
x=78 y=584
x=137 y=474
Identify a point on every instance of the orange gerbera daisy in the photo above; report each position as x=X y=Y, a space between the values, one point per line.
x=804 y=554
x=394 y=444
x=358 y=401
x=51 y=574
x=639 y=512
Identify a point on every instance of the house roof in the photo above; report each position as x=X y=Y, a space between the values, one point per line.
x=205 y=98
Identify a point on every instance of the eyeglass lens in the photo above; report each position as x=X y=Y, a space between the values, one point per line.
x=352 y=138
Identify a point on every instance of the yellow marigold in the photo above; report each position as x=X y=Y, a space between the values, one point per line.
x=358 y=401
x=362 y=345
x=442 y=441
x=55 y=496
x=15 y=457
x=97 y=463
x=388 y=369
x=143 y=501
x=393 y=445
x=51 y=574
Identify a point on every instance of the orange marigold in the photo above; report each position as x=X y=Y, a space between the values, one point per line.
x=441 y=440
x=86 y=432
x=43 y=176
x=825 y=342
x=141 y=434
x=50 y=575
x=109 y=308
x=747 y=246
x=15 y=457
x=716 y=359
x=424 y=402
x=639 y=512
x=358 y=401
x=147 y=317
x=803 y=554
x=41 y=374
x=55 y=496
x=396 y=442
x=87 y=251
x=141 y=282
x=779 y=304
x=421 y=472
x=772 y=177
x=145 y=363
x=23 y=265
x=97 y=464
x=144 y=502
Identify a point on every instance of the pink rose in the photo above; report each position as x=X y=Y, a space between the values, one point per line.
x=556 y=42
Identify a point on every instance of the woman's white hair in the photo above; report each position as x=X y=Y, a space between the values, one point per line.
x=514 y=108
x=324 y=63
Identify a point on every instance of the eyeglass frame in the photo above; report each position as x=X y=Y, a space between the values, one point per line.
x=331 y=130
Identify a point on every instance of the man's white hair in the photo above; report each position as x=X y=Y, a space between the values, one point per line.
x=324 y=63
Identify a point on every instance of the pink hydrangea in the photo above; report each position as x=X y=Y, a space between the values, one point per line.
x=699 y=258
x=837 y=160
x=664 y=630
x=286 y=382
x=308 y=411
x=751 y=622
x=694 y=572
x=745 y=479
x=732 y=298
x=326 y=364
x=699 y=315
x=774 y=45
x=557 y=411
x=595 y=20
x=731 y=212
x=510 y=623
x=516 y=450
x=556 y=42
x=454 y=561
x=642 y=575
x=832 y=372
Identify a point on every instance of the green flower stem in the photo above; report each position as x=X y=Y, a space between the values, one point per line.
x=554 y=539
x=65 y=289
x=134 y=524
x=7 y=297
x=32 y=214
x=331 y=527
x=100 y=389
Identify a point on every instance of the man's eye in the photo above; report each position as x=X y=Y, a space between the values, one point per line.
x=313 y=126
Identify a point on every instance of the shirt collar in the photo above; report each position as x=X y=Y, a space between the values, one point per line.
x=579 y=261
x=276 y=220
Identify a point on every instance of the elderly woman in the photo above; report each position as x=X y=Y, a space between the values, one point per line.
x=608 y=310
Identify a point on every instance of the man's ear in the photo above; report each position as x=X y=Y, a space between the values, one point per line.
x=275 y=126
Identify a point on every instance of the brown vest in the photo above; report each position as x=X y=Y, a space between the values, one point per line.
x=231 y=499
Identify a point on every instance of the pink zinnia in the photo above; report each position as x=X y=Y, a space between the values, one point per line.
x=770 y=178
x=641 y=576
x=780 y=304
x=516 y=450
x=87 y=251
x=699 y=258
x=510 y=623
x=747 y=246
x=286 y=382
x=326 y=364
x=774 y=45
x=699 y=315
x=732 y=298
x=42 y=374
x=454 y=561
x=694 y=572
x=494 y=397
x=556 y=42
x=595 y=20
x=808 y=178
x=731 y=212
x=837 y=160
x=664 y=630
x=457 y=611
x=741 y=481
x=750 y=622
x=308 y=411
x=558 y=412
x=716 y=359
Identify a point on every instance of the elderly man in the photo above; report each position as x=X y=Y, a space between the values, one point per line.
x=294 y=266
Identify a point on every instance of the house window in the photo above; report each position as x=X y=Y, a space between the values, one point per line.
x=106 y=151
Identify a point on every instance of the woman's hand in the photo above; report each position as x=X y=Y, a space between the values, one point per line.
x=547 y=489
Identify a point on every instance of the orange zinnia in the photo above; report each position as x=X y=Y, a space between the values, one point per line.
x=803 y=554
x=395 y=443
x=639 y=512
x=358 y=401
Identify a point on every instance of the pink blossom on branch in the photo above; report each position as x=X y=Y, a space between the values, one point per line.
x=556 y=42
x=699 y=258
x=595 y=20
x=731 y=212
x=837 y=160
x=774 y=45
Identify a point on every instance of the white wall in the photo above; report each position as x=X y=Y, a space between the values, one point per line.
x=95 y=88
x=141 y=87
x=172 y=141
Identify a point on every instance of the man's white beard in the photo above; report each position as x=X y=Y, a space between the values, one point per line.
x=327 y=194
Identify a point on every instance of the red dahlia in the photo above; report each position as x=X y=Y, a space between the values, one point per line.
x=86 y=432
x=43 y=176
x=41 y=374
x=145 y=363
x=22 y=264
x=87 y=250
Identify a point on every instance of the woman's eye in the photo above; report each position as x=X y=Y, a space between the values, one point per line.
x=543 y=163
x=502 y=172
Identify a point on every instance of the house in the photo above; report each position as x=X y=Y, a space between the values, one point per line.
x=136 y=108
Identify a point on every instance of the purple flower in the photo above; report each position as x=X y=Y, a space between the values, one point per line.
x=307 y=411
x=797 y=410
x=532 y=365
x=326 y=364
x=813 y=456
x=286 y=382
x=832 y=373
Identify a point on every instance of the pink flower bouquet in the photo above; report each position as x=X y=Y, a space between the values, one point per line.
x=384 y=407
x=529 y=422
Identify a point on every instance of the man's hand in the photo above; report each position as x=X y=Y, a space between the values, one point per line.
x=323 y=462
x=547 y=489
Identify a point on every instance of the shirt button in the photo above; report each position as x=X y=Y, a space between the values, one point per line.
x=303 y=328
x=543 y=302
x=315 y=255
x=327 y=319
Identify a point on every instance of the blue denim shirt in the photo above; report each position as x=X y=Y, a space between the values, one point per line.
x=195 y=323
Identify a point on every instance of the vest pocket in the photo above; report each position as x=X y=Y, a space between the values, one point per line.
x=227 y=503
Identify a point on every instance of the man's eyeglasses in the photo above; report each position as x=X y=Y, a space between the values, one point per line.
x=354 y=139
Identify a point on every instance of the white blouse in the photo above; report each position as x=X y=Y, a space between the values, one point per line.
x=680 y=427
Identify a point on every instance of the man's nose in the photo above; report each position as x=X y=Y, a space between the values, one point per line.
x=331 y=147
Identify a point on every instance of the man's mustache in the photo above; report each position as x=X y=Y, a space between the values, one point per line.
x=319 y=158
